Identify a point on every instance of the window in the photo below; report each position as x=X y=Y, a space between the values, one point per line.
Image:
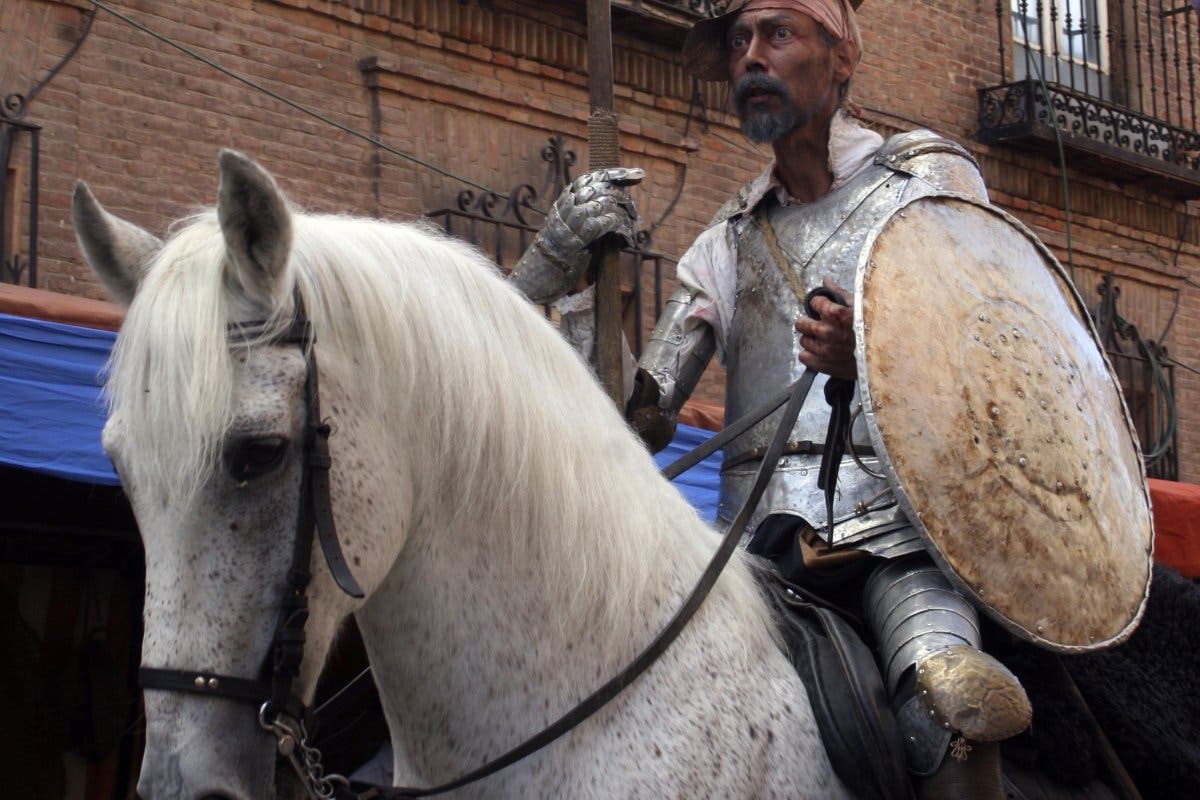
x=1066 y=41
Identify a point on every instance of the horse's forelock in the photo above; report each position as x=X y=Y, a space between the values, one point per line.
x=170 y=374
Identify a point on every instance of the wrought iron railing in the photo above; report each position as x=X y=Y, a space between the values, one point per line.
x=504 y=226
x=1114 y=77
x=701 y=8
x=17 y=266
x=1147 y=379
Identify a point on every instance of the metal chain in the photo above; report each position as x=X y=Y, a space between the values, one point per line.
x=291 y=742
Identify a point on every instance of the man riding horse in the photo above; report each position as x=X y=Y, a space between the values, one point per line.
x=741 y=294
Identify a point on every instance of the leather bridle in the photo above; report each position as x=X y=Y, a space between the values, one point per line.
x=286 y=716
x=281 y=711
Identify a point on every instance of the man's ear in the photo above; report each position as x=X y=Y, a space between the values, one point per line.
x=845 y=55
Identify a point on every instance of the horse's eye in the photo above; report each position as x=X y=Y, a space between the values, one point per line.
x=248 y=459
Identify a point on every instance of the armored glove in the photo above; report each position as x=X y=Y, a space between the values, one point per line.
x=594 y=205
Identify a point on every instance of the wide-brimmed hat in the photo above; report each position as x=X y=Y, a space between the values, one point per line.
x=704 y=49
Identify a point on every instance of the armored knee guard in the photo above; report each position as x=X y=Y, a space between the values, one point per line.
x=927 y=630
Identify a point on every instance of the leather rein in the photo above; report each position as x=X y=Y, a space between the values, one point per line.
x=285 y=715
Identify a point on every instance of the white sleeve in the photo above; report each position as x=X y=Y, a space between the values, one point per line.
x=709 y=269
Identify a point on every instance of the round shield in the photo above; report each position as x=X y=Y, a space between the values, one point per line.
x=1000 y=423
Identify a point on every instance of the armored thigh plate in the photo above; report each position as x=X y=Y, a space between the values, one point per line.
x=1000 y=423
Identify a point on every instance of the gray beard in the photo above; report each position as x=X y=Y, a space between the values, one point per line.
x=766 y=127
x=763 y=126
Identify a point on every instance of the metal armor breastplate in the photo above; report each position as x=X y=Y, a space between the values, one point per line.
x=822 y=239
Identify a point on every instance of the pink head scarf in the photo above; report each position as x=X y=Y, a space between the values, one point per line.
x=835 y=16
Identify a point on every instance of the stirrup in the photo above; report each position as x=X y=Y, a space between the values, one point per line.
x=964 y=689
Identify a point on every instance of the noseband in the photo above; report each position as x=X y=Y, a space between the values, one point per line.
x=281 y=712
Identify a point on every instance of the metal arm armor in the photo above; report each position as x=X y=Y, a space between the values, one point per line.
x=674 y=359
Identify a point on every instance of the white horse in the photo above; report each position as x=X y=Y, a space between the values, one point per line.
x=514 y=539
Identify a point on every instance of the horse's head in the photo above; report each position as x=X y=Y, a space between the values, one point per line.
x=207 y=427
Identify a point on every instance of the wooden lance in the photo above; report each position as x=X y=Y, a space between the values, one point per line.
x=604 y=153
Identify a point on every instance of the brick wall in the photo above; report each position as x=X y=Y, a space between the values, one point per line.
x=478 y=86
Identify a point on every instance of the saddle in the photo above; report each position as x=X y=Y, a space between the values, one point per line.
x=846 y=692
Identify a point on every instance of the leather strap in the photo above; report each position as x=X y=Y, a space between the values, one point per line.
x=806 y=447
x=204 y=683
x=731 y=432
x=314 y=515
x=838 y=392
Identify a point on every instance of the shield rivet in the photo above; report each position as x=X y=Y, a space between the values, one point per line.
x=995 y=449
x=995 y=411
x=977 y=337
x=1022 y=462
x=1016 y=334
x=982 y=318
x=995 y=353
x=1041 y=628
x=1003 y=338
x=199 y=681
x=1020 y=394
x=1058 y=485
x=1044 y=406
x=213 y=683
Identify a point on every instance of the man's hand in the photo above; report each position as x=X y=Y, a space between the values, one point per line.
x=828 y=344
x=593 y=206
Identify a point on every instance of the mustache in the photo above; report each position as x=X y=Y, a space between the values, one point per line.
x=758 y=83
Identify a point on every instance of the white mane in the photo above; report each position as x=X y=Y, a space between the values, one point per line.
x=424 y=334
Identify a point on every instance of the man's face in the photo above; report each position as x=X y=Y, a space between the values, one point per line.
x=783 y=70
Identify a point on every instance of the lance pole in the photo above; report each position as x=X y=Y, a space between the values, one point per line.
x=604 y=152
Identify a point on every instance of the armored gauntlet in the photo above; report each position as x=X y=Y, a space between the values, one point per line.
x=593 y=206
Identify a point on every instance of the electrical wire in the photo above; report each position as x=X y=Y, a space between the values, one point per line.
x=292 y=103
x=1179 y=363
x=1062 y=166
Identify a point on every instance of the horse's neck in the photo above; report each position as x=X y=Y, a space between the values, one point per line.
x=474 y=651
x=487 y=626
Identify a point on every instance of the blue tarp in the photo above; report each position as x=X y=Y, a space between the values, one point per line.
x=701 y=483
x=51 y=409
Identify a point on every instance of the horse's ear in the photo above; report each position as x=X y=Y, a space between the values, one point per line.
x=117 y=251
x=257 y=226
